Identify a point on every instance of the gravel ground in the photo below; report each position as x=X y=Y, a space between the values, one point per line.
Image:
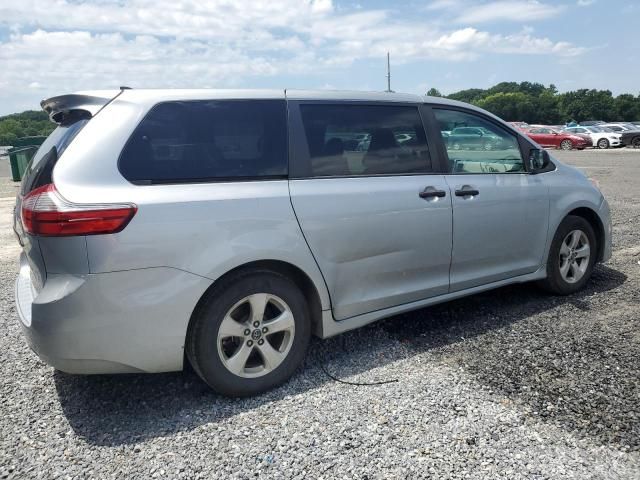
x=7 y=188
x=5 y=168
x=507 y=384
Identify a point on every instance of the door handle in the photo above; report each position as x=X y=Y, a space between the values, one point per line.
x=467 y=192
x=433 y=193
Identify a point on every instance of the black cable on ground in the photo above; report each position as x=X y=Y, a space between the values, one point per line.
x=346 y=382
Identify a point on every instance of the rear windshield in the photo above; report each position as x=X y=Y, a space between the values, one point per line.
x=39 y=170
x=192 y=141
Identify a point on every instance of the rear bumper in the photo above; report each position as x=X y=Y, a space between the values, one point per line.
x=119 y=322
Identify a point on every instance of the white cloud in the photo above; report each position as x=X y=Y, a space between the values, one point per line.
x=444 y=4
x=585 y=3
x=321 y=6
x=471 y=42
x=64 y=45
x=508 y=10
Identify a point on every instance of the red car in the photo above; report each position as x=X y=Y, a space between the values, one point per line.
x=548 y=137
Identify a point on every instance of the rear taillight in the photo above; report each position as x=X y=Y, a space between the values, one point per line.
x=45 y=212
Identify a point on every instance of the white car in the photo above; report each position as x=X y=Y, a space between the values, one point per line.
x=599 y=136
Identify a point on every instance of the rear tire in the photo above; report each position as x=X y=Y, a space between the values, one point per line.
x=572 y=257
x=249 y=334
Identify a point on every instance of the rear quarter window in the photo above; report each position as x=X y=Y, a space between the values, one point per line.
x=40 y=167
x=195 y=141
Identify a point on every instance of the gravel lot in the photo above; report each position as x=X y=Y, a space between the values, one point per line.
x=508 y=384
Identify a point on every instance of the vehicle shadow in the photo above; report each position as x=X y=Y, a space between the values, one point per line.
x=112 y=410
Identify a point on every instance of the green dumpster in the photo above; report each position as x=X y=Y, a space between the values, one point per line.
x=19 y=158
x=28 y=141
x=21 y=154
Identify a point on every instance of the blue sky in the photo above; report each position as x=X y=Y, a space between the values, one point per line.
x=51 y=47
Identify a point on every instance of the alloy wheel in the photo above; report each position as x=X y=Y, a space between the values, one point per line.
x=256 y=335
x=575 y=252
x=566 y=145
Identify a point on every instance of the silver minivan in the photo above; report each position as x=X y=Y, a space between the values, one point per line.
x=227 y=226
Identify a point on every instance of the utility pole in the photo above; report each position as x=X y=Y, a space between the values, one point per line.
x=388 y=74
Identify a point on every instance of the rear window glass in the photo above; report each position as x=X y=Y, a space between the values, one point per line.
x=208 y=140
x=39 y=170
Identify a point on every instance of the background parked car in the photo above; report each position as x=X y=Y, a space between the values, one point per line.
x=585 y=136
x=469 y=138
x=591 y=122
x=631 y=138
x=629 y=133
x=621 y=127
x=599 y=137
x=548 y=137
x=520 y=125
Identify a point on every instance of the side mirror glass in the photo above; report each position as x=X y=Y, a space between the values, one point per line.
x=538 y=160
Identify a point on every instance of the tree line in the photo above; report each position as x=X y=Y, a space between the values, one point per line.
x=536 y=104
x=25 y=124
x=528 y=102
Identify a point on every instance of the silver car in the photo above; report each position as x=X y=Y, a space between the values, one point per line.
x=227 y=227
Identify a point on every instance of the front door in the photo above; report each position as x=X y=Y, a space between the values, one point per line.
x=376 y=218
x=500 y=212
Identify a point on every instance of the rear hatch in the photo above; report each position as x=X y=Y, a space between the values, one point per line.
x=71 y=113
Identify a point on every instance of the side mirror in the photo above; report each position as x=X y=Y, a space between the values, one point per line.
x=538 y=160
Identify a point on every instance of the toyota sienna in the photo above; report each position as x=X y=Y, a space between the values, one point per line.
x=224 y=228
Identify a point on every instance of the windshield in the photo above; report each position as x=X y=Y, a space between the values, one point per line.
x=38 y=171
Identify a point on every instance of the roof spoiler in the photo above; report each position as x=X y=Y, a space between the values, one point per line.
x=92 y=102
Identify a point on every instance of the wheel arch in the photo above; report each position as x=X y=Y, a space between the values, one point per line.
x=594 y=220
x=294 y=273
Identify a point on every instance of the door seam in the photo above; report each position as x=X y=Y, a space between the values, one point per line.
x=324 y=280
x=452 y=230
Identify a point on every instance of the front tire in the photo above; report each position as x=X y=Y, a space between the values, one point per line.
x=566 y=145
x=572 y=256
x=603 y=143
x=249 y=334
